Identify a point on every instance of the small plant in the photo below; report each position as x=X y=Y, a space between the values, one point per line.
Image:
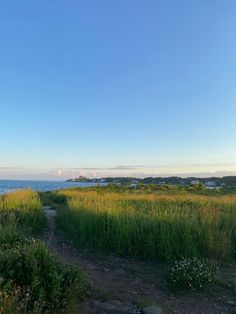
x=193 y=274
x=11 y=238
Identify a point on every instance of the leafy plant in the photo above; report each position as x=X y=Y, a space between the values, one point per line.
x=40 y=281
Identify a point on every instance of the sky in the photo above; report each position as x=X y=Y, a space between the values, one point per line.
x=128 y=87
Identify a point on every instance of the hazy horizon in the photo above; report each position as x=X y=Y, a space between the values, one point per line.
x=119 y=171
x=117 y=88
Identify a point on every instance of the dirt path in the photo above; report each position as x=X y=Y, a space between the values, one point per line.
x=127 y=286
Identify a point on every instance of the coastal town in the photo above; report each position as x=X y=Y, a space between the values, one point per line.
x=210 y=182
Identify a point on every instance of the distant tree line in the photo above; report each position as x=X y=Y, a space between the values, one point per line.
x=227 y=181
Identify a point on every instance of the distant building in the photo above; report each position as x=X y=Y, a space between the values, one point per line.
x=103 y=180
x=195 y=181
x=210 y=184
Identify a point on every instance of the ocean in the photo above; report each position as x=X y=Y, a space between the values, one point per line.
x=13 y=185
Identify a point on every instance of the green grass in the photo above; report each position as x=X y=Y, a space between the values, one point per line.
x=31 y=278
x=53 y=199
x=151 y=225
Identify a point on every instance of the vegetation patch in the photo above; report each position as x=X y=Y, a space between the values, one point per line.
x=193 y=274
x=22 y=210
x=31 y=278
x=151 y=225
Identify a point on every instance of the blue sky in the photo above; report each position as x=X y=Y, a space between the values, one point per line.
x=125 y=87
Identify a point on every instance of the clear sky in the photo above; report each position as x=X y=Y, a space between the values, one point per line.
x=128 y=87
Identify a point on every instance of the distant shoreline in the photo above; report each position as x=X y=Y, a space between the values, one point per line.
x=213 y=181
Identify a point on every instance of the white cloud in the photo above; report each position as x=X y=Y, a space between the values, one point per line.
x=58 y=173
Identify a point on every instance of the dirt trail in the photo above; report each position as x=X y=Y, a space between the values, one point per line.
x=127 y=286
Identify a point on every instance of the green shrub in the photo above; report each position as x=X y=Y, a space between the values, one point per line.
x=193 y=274
x=36 y=281
x=11 y=238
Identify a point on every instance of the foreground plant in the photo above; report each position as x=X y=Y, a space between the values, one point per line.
x=32 y=281
x=35 y=282
x=193 y=274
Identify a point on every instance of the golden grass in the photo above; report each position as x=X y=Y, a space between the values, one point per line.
x=23 y=209
x=153 y=225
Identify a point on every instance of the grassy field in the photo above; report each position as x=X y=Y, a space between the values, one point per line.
x=153 y=225
x=31 y=278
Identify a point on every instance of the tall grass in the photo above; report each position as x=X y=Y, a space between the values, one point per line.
x=22 y=209
x=31 y=278
x=152 y=226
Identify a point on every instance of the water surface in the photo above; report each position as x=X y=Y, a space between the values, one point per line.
x=12 y=185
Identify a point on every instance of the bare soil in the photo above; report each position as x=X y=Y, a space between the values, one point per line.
x=122 y=285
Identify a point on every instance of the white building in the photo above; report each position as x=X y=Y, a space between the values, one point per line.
x=195 y=181
x=210 y=184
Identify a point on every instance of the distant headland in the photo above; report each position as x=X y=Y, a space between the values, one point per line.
x=210 y=182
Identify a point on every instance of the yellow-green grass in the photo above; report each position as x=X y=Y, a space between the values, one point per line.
x=22 y=209
x=151 y=226
x=31 y=278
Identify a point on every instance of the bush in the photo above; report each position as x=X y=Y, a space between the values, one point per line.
x=11 y=238
x=36 y=282
x=193 y=274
